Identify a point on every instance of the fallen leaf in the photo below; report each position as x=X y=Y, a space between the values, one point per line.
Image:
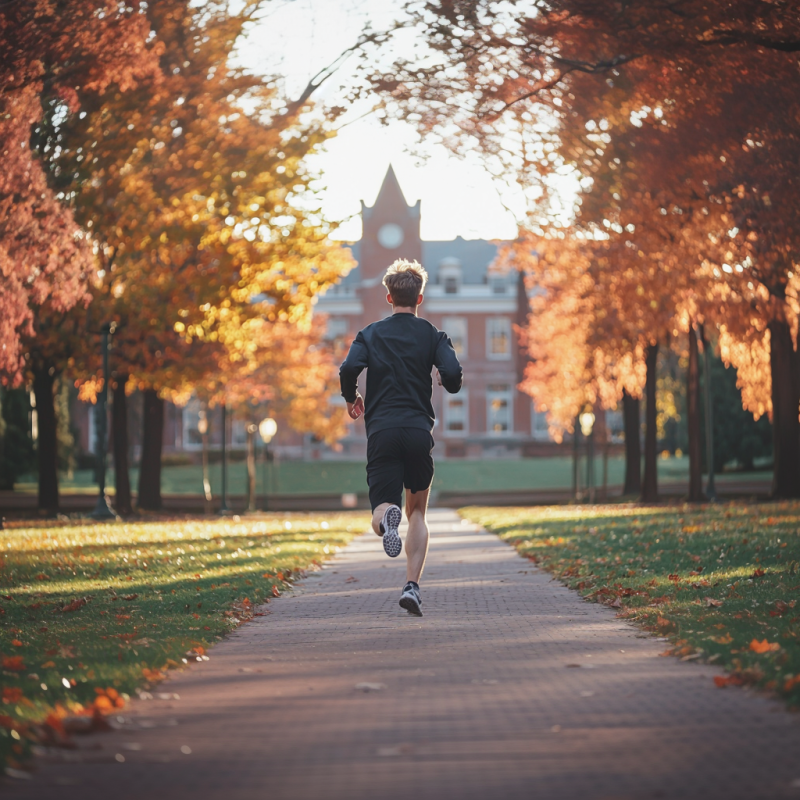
x=758 y=573
x=764 y=647
x=12 y=694
x=712 y=603
x=791 y=683
x=74 y=605
x=13 y=663
x=130 y=597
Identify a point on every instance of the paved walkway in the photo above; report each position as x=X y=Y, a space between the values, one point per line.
x=510 y=687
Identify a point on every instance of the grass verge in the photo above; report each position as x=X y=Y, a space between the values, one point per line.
x=722 y=582
x=91 y=612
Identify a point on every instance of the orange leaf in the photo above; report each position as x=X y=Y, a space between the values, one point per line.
x=764 y=647
x=48 y=665
x=103 y=703
x=16 y=642
x=13 y=663
x=74 y=605
x=791 y=683
x=276 y=592
x=12 y=694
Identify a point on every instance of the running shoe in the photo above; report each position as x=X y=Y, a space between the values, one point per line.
x=410 y=599
x=392 y=543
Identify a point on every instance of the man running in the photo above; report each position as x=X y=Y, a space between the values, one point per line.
x=399 y=353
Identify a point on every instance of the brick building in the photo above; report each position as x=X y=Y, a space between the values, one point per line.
x=469 y=296
x=473 y=299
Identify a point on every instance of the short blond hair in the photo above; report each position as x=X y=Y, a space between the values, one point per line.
x=405 y=281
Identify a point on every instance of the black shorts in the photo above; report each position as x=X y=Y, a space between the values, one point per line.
x=398 y=457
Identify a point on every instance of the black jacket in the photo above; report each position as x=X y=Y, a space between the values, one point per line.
x=399 y=353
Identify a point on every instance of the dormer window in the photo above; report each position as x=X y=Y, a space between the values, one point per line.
x=498 y=284
x=450 y=275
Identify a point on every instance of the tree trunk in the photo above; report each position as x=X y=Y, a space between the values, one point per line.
x=785 y=403
x=633 y=447
x=693 y=414
x=119 y=421
x=152 y=440
x=47 y=441
x=650 y=485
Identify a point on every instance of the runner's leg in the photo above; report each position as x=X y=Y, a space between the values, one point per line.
x=418 y=535
x=377 y=516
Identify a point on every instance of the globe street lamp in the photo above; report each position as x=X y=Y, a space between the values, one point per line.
x=267 y=429
x=587 y=429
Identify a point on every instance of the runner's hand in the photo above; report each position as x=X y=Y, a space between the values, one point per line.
x=355 y=410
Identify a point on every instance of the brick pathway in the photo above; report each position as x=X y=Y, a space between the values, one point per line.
x=510 y=687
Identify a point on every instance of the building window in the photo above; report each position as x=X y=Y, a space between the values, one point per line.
x=498 y=338
x=539 y=429
x=450 y=275
x=498 y=408
x=615 y=425
x=192 y=439
x=456 y=413
x=456 y=329
x=498 y=285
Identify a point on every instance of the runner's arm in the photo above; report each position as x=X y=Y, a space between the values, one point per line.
x=352 y=367
x=446 y=361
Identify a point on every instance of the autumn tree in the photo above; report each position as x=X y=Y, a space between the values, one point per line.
x=194 y=193
x=670 y=117
x=47 y=49
x=49 y=54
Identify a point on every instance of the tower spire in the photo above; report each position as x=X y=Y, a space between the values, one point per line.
x=390 y=190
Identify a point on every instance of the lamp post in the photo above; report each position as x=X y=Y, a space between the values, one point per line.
x=251 y=466
x=101 y=509
x=223 y=505
x=587 y=429
x=267 y=428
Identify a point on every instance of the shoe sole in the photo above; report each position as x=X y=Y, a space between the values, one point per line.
x=410 y=604
x=392 y=543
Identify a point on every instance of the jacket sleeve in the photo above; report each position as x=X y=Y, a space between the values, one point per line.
x=446 y=361
x=352 y=367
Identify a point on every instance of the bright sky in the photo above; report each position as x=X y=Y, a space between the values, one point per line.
x=300 y=37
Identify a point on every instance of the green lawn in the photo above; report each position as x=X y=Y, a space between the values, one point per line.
x=339 y=477
x=93 y=611
x=722 y=582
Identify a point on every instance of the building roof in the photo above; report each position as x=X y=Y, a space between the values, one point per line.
x=474 y=255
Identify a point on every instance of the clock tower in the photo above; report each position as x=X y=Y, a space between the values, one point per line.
x=390 y=231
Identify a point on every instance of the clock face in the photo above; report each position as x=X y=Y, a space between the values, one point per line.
x=390 y=236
